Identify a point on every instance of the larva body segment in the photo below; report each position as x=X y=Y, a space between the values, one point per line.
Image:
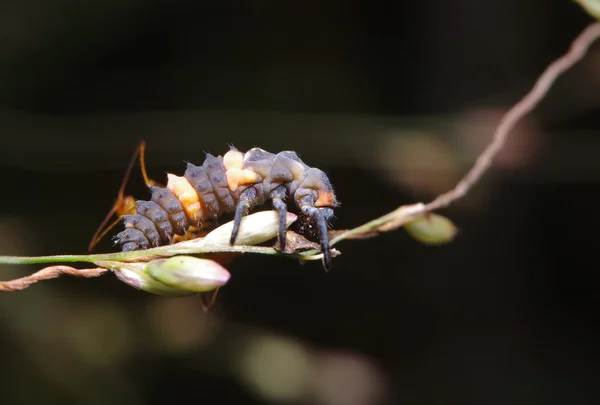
x=236 y=182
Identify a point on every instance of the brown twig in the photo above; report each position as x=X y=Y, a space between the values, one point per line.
x=49 y=273
x=578 y=49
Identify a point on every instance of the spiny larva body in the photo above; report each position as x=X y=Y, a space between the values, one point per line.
x=236 y=182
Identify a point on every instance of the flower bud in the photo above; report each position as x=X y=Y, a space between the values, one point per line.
x=254 y=229
x=591 y=6
x=431 y=229
x=133 y=275
x=188 y=273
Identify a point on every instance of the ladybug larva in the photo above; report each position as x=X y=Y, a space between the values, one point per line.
x=234 y=183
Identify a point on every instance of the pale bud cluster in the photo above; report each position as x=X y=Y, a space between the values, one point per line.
x=183 y=275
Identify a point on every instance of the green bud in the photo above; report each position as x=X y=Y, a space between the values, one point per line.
x=188 y=273
x=133 y=275
x=431 y=229
x=591 y=6
x=254 y=229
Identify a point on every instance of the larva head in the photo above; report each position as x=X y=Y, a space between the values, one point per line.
x=315 y=190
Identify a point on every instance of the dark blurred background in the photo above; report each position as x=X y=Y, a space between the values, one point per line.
x=394 y=100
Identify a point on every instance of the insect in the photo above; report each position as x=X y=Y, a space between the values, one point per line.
x=124 y=204
x=234 y=183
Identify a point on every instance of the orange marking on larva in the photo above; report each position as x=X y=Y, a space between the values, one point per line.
x=237 y=177
x=183 y=190
x=233 y=160
x=325 y=199
x=233 y=179
x=249 y=177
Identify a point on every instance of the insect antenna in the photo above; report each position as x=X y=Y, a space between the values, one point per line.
x=123 y=204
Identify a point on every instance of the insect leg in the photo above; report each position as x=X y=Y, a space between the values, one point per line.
x=247 y=198
x=207 y=305
x=320 y=216
x=278 y=197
